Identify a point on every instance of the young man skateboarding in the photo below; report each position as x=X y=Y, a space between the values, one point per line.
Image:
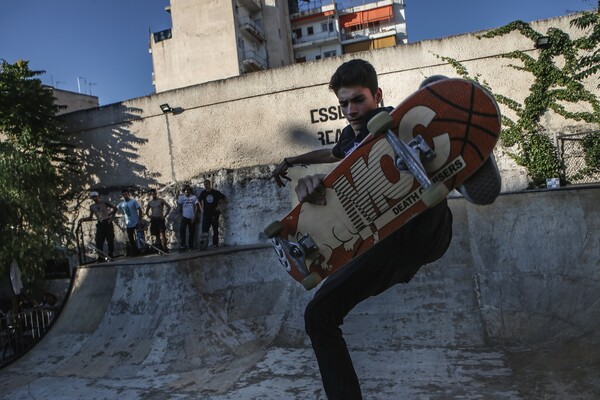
x=394 y=260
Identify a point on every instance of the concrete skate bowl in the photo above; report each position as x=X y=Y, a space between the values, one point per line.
x=510 y=312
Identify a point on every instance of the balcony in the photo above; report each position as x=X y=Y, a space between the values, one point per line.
x=252 y=5
x=253 y=30
x=253 y=61
x=315 y=40
x=372 y=32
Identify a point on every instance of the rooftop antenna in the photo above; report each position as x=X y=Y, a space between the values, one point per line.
x=90 y=84
x=79 y=78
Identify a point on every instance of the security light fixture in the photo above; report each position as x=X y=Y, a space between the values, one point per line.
x=166 y=108
x=543 y=42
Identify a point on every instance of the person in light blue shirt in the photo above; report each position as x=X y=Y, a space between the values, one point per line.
x=132 y=211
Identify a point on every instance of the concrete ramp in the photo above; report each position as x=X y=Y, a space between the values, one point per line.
x=512 y=311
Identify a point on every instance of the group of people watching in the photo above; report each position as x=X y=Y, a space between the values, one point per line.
x=191 y=209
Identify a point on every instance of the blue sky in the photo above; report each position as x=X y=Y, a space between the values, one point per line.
x=105 y=42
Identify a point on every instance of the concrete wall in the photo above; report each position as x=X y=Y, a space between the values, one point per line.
x=73 y=101
x=233 y=131
x=509 y=312
x=259 y=118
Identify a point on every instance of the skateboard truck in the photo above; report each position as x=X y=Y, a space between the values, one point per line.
x=418 y=144
x=408 y=157
x=297 y=251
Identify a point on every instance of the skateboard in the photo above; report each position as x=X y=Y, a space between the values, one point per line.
x=142 y=244
x=411 y=159
x=101 y=253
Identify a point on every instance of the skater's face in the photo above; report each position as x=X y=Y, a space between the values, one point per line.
x=96 y=199
x=126 y=195
x=207 y=185
x=356 y=103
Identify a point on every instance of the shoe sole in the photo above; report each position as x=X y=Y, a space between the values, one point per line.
x=484 y=186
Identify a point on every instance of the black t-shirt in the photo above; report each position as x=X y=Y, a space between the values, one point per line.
x=210 y=200
x=349 y=140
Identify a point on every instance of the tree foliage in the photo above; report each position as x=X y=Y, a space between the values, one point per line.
x=558 y=72
x=35 y=163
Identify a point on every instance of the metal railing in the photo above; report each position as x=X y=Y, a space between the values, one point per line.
x=21 y=331
x=573 y=157
x=369 y=31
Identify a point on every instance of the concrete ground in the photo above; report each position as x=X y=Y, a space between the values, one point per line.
x=512 y=311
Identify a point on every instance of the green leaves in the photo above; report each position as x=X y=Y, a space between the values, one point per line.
x=558 y=72
x=34 y=162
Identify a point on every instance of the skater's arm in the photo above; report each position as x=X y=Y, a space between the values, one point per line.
x=321 y=156
x=168 y=209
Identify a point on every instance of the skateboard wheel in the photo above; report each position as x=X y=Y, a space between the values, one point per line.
x=274 y=229
x=435 y=194
x=380 y=123
x=311 y=281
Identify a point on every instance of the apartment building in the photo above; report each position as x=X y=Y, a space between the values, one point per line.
x=217 y=39
x=326 y=30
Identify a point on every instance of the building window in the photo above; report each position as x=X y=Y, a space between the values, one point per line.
x=298 y=33
x=162 y=35
x=328 y=54
x=327 y=27
x=310 y=31
x=317 y=57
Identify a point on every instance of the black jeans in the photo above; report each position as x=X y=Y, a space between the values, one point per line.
x=133 y=248
x=105 y=231
x=395 y=260
x=211 y=220
x=187 y=223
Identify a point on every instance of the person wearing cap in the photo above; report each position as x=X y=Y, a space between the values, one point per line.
x=103 y=211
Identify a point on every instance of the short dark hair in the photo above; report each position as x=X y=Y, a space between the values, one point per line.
x=355 y=72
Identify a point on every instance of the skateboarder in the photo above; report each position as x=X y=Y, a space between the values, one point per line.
x=394 y=260
x=103 y=211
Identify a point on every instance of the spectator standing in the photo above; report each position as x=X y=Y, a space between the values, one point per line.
x=132 y=212
x=189 y=209
x=155 y=210
x=103 y=211
x=211 y=200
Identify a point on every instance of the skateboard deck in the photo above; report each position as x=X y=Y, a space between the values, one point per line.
x=100 y=253
x=446 y=130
